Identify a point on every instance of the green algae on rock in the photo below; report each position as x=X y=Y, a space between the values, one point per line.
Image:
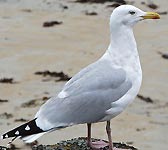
x=78 y=144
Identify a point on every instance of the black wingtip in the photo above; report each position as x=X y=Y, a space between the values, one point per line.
x=26 y=129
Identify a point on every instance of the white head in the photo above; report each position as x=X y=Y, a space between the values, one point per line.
x=123 y=18
x=129 y=15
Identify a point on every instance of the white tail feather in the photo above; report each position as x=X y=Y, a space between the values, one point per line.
x=32 y=138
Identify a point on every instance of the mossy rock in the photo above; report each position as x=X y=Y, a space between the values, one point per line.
x=78 y=144
x=73 y=144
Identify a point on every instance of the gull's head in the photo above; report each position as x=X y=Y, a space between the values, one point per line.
x=129 y=15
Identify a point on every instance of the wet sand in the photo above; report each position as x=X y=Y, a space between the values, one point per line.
x=26 y=47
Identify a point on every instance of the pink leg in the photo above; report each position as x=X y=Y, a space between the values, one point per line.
x=101 y=144
x=108 y=130
x=94 y=145
x=89 y=134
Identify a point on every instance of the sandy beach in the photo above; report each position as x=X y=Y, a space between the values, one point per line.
x=27 y=47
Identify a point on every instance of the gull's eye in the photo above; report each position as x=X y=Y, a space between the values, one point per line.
x=132 y=12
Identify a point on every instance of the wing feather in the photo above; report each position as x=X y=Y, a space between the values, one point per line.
x=89 y=95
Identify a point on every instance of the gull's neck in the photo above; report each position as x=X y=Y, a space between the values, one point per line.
x=122 y=51
x=122 y=40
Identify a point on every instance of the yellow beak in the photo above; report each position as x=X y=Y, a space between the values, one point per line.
x=151 y=15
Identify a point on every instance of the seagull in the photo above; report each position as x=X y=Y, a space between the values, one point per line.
x=99 y=92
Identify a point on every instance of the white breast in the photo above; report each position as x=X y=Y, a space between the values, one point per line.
x=134 y=73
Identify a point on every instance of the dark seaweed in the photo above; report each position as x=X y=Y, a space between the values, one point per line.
x=91 y=13
x=100 y=1
x=153 y=6
x=27 y=10
x=61 y=75
x=165 y=56
x=21 y=120
x=162 y=13
x=150 y=5
x=35 y=102
x=146 y=99
x=114 y=5
x=3 y=100
x=7 y=80
x=6 y=115
x=51 y=23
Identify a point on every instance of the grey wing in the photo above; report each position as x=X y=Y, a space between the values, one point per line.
x=98 y=76
x=80 y=74
x=87 y=98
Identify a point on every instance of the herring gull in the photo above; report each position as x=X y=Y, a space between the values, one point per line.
x=98 y=92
